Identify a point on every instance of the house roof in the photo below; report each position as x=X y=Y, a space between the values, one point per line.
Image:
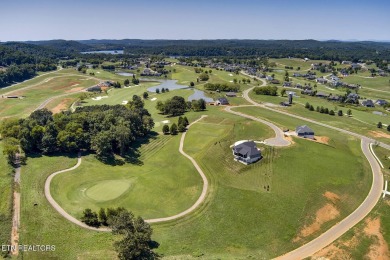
x=304 y=129
x=223 y=100
x=247 y=149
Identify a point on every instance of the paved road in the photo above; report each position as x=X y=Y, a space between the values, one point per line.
x=156 y=220
x=355 y=217
x=278 y=140
x=58 y=207
x=347 y=223
x=16 y=211
x=47 y=101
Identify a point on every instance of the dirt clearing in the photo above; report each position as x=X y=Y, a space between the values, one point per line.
x=327 y=213
x=380 y=249
x=61 y=106
x=379 y=134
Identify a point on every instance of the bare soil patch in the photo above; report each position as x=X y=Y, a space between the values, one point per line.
x=74 y=89
x=61 y=106
x=331 y=196
x=322 y=139
x=323 y=215
x=327 y=213
x=379 y=134
x=380 y=249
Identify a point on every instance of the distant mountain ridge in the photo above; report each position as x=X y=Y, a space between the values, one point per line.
x=314 y=49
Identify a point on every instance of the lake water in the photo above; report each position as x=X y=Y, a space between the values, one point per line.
x=125 y=74
x=171 y=85
x=198 y=95
x=103 y=52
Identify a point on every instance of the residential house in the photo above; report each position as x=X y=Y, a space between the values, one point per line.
x=305 y=132
x=221 y=101
x=334 y=98
x=269 y=78
x=246 y=152
x=275 y=81
x=322 y=95
x=287 y=84
x=231 y=94
x=368 y=103
x=381 y=102
x=321 y=80
x=352 y=98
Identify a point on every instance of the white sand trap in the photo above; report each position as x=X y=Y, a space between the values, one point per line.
x=124 y=102
x=99 y=98
x=231 y=81
x=231 y=75
x=153 y=99
x=97 y=71
x=127 y=87
x=165 y=122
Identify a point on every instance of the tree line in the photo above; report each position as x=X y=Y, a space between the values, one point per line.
x=136 y=234
x=222 y=87
x=105 y=130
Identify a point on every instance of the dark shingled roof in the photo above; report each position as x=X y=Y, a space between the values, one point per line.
x=304 y=130
x=247 y=149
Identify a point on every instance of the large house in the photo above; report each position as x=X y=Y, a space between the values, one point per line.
x=221 y=101
x=305 y=132
x=381 y=102
x=246 y=152
x=368 y=103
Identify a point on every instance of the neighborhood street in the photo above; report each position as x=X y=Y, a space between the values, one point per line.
x=360 y=213
x=72 y=219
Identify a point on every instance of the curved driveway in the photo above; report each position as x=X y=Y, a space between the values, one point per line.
x=72 y=219
x=355 y=217
x=278 y=140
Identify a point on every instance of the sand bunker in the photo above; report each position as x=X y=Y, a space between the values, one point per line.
x=99 y=98
x=165 y=122
x=153 y=99
x=124 y=102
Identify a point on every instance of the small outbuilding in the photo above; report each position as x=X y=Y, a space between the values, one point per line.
x=221 y=101
x=246 y=152
x=305 y=132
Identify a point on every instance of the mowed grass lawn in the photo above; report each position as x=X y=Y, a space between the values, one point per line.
x=256 y=211
x=362 y=121
x=6 y=181
x=34 y=96
x=43 y=225
x=164 y=184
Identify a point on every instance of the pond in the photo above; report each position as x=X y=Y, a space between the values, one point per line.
x=169 y=84
x=172 y=85
x=103 y=52
x=198 y=95
x=125 y=74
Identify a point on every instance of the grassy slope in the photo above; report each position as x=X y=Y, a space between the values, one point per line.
x=165 y=184
x=6 y=199
x=238 y=202
x=42 y=225
x=362 y=121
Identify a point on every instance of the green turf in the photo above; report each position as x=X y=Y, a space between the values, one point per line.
x=239 y=200
x=6 y=181
x=362 y=121
x=42 y=225
x=161 y=184
x=103 y=191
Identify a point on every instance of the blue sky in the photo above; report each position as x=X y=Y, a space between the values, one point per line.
x=180 y=19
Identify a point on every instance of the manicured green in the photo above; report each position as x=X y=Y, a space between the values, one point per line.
x=161 y=184
x=42 y=225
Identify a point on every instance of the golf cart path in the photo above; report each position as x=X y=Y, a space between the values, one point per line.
x=360 y=212
x=72 y=219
